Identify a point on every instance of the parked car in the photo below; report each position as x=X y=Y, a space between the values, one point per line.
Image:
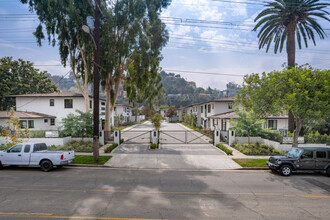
x=309 y=159
x=35 y=154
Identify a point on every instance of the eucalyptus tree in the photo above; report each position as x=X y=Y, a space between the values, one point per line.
x=134 y=38
x=284 y=21
x=63 y=21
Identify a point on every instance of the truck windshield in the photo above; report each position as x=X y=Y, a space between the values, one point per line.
x=294 y=152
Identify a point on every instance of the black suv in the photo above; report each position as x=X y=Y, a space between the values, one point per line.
x=311 y=159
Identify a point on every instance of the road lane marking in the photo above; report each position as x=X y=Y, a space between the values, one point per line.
x=176 y=193
x=51 y=216
x=24 y=213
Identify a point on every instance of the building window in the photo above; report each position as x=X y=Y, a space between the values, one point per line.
x=31 y=123
x=52 y=121
x=102 y=103
x=230 y=105
x=51 y=102
x=68 y=103
x=272 y=124
x=46 y=120
x=223 y=125
x=23 y=124
x=212 y=106
x=103 y=108
x=209 y=108
x=201 y=109
x=90 y=104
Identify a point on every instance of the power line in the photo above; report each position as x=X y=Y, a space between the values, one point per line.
x=207 y=73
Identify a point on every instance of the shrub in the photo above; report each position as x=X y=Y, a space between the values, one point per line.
x=4 y=147
x=273 y=136
x=78 y=146
x=154 y=146
x=110 y=148
x=257 y=149
x=37 y=134
x=225 y=149
x=317 y=138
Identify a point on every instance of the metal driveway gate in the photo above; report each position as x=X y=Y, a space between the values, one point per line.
x=136 y=137
x=182 y=137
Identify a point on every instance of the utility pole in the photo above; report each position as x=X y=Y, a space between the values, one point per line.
x=96 y=90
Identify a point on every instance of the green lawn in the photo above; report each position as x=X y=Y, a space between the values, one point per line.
x=86 y=159
x=251 y=162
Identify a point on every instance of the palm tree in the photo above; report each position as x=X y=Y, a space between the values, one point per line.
x=283 y=20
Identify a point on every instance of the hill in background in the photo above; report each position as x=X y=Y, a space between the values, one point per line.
x=179 y=91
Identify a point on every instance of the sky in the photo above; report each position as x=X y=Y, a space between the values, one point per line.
x=211 y=41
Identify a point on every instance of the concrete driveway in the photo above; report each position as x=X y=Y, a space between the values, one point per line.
x=180 y=148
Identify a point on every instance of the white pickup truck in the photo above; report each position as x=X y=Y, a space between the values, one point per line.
x=35 y=154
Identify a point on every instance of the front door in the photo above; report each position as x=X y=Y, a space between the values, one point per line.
x=307 y=161
x=14 y=155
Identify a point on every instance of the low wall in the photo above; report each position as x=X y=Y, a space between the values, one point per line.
x=277 y=145
x=49 y=141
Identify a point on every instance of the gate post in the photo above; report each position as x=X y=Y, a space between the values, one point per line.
x=216 y=137
x=116 y=137
x=186 y=138
x=231 y=137
x=154 y=136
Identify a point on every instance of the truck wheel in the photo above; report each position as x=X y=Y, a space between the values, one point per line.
x=328 y=171
x=285 y=170
x=46 y=165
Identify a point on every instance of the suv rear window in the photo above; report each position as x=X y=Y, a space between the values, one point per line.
x=321 y=154
x=39 y=147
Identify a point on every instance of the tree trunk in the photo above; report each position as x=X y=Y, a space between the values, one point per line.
x=291 y=124
x=299 y=123
x=291 y=52
x=248 y=139
x=291 y=45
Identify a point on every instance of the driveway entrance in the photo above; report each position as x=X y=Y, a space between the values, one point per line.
x=180 y=148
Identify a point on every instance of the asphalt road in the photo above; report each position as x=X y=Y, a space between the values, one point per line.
x=102 y=193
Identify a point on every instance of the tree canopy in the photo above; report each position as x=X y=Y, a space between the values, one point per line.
x=281 y=20
x=303 y=91
x=20 y=77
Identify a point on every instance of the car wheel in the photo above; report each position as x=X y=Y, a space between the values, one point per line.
x=285 y=170
x=46 y=165
x=328 y=172
x=1 y=165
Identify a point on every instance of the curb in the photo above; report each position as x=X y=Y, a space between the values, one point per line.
x=253 y=168
x=130 y=168
x=87 y=165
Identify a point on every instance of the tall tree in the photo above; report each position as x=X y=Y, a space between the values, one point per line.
x=135 y=36
x=303 y=90
x=20 y=77
x=284 y=21
x=63 y=21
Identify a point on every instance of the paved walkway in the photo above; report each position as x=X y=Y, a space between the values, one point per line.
x=174 y=153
